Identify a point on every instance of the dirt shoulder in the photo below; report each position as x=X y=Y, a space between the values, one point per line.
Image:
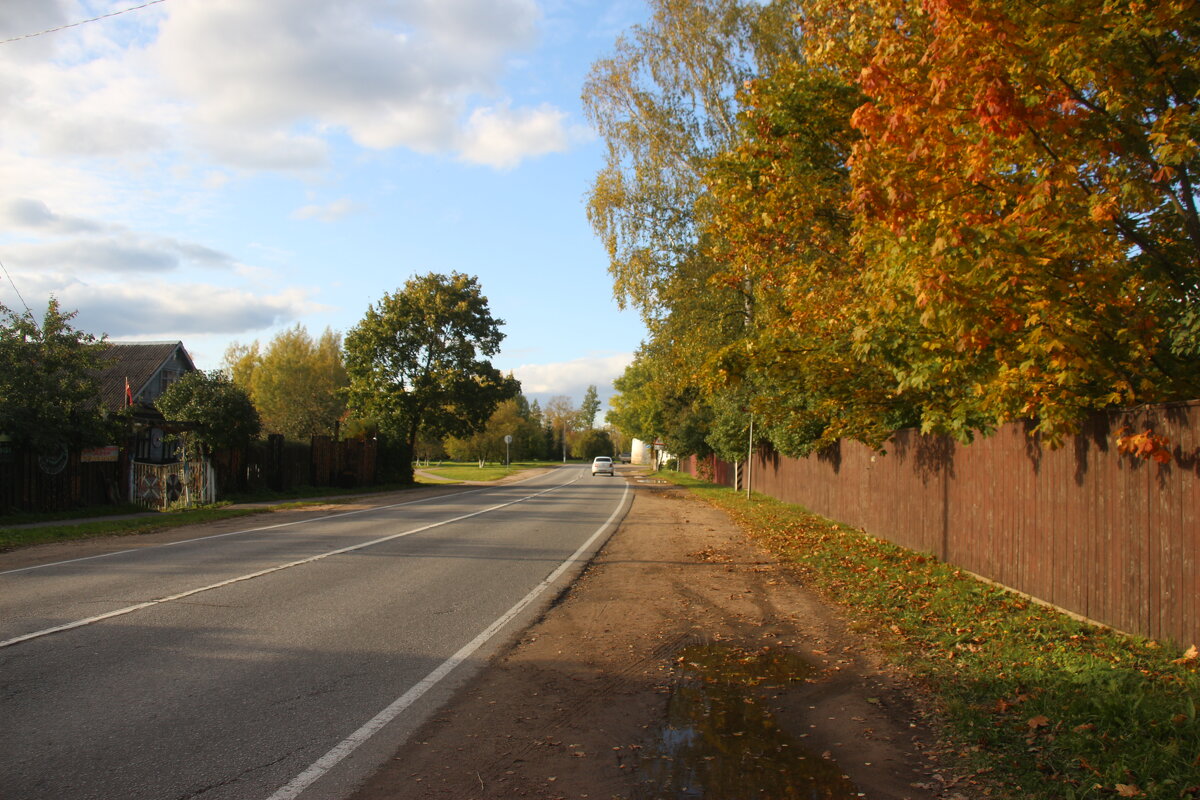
x=685 y=662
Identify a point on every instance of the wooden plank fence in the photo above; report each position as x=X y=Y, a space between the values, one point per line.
x=69 y=480
x=32 y=483
x=1108 y=536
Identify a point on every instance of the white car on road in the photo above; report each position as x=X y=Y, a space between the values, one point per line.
x=602 y=464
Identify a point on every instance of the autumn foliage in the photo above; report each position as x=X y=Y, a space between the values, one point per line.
x=956 y=213
x=1024 y=174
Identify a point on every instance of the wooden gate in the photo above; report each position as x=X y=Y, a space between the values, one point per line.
x=165 y=486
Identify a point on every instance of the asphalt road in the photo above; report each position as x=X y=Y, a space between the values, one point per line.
x=280 y=661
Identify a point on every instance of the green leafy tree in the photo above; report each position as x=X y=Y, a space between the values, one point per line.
x=418 y=361
x=589 y=409
x=594 y=442
x=223 y=413
x=550 y=443
x=664 y=104
x=562 y=420
x=650 y=405
x=620 y=441
x=429 y=448
x=49 y=392
x=511 y=418
x=538 y=445
x=528 y=442
x=785 y=231
x=297 y=383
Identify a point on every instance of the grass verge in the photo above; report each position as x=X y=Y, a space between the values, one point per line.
x=1036 y=704
x=28 y=517
x=12 y=538
x=488 y=472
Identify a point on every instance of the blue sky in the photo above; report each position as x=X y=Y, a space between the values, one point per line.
x=215 y=171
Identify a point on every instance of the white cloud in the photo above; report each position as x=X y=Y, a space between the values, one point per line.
x=571 y=378
x=266 y=85
x=330 y=212
x=19 y=18
x=501 y=137
x=158 y=309
x=276 y=150
x=75 y=245
x=34 y=215
x=387 y=74
x=80 y=256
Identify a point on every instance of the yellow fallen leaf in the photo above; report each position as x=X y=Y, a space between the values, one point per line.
x=1128 y=790
x=1190 y=656
x=1040 y=721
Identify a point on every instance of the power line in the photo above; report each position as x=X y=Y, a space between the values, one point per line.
x=28 y=310
x=82 y=22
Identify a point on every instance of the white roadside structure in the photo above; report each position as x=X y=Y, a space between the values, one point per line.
x=643 y=453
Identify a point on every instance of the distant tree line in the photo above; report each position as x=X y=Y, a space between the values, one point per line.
x=414 y=373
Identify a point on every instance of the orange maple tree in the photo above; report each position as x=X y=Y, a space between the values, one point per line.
x=1024 y=190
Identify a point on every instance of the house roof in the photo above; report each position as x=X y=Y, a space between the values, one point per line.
x=137 y=361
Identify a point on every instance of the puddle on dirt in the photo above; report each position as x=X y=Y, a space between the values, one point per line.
x=721 y=742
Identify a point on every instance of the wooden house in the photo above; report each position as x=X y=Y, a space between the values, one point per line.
x=137 y=374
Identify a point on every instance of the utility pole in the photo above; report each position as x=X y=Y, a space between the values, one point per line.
x=750 y=457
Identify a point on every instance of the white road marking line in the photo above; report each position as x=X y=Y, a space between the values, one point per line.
x=239 y=533
x=352 y=742
x=139 y=606
x=251 y=530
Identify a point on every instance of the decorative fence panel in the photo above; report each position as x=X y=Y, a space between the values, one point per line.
x=1108 y=536
x=163 y=486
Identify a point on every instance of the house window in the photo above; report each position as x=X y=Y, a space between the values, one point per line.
x=142 y=446
x=166 y=378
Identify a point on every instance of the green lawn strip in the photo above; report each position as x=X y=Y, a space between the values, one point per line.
x=1037 y=704
x=488 y=472
x=26 y=517
x=12 y=538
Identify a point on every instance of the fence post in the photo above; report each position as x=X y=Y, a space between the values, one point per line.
x=274 y=465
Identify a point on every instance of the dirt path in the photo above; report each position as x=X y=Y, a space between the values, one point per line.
x=686 y=663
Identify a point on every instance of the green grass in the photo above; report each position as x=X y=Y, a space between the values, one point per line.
x=12 y=538
x=1036 y=704
x=454 y=472
x=25 y=517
